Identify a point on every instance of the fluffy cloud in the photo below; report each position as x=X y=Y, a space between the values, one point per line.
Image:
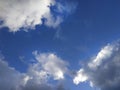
x=103 y=71
x=46 y=67
x=51 y=64
x=21 y=13
x=16 y=14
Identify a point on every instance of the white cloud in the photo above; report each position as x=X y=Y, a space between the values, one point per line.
x=102 y=71
x=47 y=66
x=81 y=77
x=105 y=53
x=26 y=14
x=22 y=13
x=51 y=64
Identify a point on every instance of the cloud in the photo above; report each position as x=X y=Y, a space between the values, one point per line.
x=10 y=79
x=47 y=66
x=26 y=14
x=81 y=77
x=51 y=64
x=103 y=71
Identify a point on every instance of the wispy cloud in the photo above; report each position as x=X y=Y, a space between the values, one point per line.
x=103 y=70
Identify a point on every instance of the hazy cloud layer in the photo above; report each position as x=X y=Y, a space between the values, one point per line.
x=16 y=14
x=103 y=71
x=47 y=66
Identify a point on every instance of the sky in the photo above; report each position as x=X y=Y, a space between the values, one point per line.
x=59 y=45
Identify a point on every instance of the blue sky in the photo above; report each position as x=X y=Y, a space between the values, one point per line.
x=70 y=34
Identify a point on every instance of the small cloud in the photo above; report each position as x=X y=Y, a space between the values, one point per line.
x=81 y=77
x=51 y=64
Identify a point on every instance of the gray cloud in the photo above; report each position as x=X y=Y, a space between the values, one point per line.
x=103 y=71
x=10 y=79
x=34 y=86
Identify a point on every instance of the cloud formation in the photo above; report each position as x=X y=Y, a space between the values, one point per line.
x=51 y=64
x=26 y=14
x=103 y=71
x=46 y=67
